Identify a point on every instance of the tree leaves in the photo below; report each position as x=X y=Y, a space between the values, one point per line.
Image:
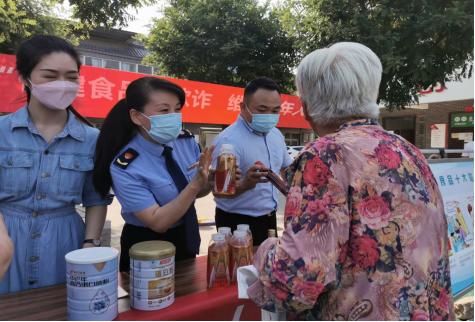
x=419 y=42
x=221 y=41
x=21 y=19
x=106 y=13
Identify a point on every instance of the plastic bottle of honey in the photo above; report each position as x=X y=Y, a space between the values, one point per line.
x=271 y=233
x=239 y=252
x=218 y=262
x=245 y=227
x=226 y=231
x=225 y=176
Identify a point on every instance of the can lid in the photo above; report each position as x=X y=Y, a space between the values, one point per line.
x=243 y=227
x=92 y=255
x=153 y=249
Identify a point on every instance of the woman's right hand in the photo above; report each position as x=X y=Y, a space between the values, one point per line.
x=200 y=181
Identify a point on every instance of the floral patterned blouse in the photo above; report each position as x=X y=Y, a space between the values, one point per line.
x=365 y=233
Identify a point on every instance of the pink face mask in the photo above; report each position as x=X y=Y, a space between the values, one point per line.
x=56 y=95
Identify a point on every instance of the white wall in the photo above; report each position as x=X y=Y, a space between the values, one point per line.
x=454 y=91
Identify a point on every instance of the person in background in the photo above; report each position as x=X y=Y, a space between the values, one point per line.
x=46 y=164
x=259 y=146
x=155 y=169
x=365 y=232
x=6 y=248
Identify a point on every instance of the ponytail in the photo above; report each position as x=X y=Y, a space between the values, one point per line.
x=116 y=132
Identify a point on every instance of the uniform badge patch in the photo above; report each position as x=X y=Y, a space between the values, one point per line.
x=126 y=158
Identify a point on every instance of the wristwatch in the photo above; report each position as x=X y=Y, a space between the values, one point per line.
x=95 y=242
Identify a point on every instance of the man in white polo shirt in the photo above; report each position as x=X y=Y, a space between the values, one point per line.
x=255 y=139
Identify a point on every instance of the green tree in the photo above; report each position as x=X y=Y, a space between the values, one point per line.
x=419 y=42
x=106 y=13
x=221 y=41
x=21 y=19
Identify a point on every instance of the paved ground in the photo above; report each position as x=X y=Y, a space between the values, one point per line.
x=205 y=209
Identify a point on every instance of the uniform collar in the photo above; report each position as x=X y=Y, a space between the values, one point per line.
x=73 y=127
x=244 y=123
x=358 y=122
x=151 y=147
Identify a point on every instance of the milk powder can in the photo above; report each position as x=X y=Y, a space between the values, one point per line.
x=152 y=275
x=91 y=277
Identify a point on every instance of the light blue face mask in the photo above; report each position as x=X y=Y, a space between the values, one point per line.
x=264 y=122
x=164 y=128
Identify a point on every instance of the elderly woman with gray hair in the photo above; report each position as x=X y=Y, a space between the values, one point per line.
x=365 y=233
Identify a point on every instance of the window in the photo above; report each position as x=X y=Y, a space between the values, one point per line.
x=307 y=137
x=292 y=139
x=145 y=69
x=115 y=64
x=129 y=67
x=93 y=61
x=403 y=125
x=111 y=64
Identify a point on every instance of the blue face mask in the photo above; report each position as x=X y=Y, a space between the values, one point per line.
x=264 y=122
x=164 y=128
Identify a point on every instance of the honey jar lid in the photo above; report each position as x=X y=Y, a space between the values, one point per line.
x=154 y=249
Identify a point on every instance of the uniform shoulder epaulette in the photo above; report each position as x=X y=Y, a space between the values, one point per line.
x=184 y=134
x=126 y=158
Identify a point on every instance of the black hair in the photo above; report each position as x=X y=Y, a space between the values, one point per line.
x=32 y=51
x=118 y=129
x=258 y=83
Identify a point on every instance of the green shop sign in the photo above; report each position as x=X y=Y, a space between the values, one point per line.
x=461 y=120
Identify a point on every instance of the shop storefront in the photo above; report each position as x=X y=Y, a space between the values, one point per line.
x=442 y=119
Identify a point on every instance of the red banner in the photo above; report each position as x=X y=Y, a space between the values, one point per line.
x=101 y=88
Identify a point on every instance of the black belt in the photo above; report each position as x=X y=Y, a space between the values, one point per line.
x=269 y=214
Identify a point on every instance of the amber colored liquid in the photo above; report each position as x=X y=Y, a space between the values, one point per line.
x=239 y=257
x=218 y=266
x=250 y=248
x=225 y=173
x=228 y=242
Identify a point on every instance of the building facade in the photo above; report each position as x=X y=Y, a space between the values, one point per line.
x=114 y=49
x=120 y=50
x=442 y=119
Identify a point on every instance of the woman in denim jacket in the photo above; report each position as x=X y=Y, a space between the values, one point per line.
x=46 y=162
